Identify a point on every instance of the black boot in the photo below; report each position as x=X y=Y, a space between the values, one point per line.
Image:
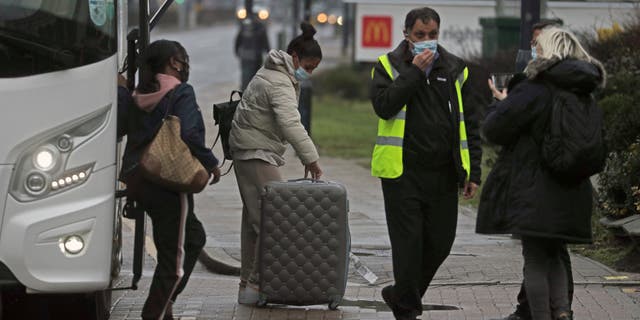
x=565 y=316
x=398 y=312
x=514 y=316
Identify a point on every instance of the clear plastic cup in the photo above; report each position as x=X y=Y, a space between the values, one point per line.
x=501 y=80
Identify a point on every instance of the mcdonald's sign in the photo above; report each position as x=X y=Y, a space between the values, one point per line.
x=376 y=31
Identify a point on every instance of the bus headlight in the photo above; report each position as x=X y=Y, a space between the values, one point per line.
x=45 y=159
x=41 y=169
x=36 y=182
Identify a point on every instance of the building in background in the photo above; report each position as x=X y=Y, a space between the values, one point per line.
x=379 y=24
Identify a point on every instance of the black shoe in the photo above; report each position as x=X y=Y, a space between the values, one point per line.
x=514 y=316
x=565 y=316
x=398 y=312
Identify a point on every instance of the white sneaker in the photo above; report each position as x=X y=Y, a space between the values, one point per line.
x=248 y=295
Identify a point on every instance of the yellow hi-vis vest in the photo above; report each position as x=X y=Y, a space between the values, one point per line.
x=386 y=161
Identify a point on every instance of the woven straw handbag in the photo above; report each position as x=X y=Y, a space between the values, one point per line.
x=168 y=161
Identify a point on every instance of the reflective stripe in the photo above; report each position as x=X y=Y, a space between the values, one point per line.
x=462 y=77
x=389 y=141
x=402 y=115
x=391 y=71
x=465 y=157
x=394 y=72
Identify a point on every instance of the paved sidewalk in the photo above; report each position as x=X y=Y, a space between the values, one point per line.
x=478 y=281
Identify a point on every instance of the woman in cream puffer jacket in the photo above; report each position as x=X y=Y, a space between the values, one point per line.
x=267 y=117
x=265 y=120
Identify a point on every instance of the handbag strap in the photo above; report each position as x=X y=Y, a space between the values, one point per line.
x=170 y=107
x=218 y=136
x=169 y=110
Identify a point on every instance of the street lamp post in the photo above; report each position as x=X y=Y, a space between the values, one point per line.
x=304 y=104
x=295 y=18
x=248 y=7
x=529 y=14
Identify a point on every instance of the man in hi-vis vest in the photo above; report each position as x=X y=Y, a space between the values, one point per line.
x=427 y=150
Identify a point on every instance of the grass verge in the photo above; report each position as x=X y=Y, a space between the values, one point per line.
x=343 y=128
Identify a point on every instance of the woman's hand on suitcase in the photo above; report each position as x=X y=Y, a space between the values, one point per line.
x=315 y=170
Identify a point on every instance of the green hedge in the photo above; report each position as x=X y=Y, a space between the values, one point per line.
x=349 y=82
x=620 y=100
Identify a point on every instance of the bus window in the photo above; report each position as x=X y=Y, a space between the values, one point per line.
x=40 y=36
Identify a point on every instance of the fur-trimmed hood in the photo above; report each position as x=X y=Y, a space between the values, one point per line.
x=571 y=74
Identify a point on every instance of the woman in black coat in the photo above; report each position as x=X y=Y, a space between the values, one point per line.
x=520 y=195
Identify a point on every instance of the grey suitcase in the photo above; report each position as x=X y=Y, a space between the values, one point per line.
x=304 y=243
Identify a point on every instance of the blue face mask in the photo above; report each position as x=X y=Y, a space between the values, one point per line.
x=534 y=54
x=419 y=47
x=302 y=74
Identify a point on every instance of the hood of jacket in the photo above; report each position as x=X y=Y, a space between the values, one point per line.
x=570 y=74
x=281 y=61
x=148 y=101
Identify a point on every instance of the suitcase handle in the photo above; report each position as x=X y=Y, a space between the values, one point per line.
x=306 y=179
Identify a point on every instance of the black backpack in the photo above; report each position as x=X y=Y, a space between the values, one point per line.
x=223 y=115
x=572 y=146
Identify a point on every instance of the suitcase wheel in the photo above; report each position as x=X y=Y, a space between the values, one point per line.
x=262 y=301
x=333 y=305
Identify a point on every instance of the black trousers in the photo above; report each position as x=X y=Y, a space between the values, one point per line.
x=179 y=238
x=523 y=309
x=422 y=213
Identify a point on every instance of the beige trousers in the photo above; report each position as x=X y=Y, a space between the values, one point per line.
x=252 y=175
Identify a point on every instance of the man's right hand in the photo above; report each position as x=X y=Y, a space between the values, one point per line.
x=423 y=60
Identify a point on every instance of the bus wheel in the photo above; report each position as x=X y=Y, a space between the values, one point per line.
x=98 y=305
x=116 y=253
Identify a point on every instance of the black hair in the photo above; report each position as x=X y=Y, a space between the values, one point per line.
x=425 y=14
x=154 y=59
x=304 y=45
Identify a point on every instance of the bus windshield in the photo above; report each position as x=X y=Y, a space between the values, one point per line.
x=40 y=36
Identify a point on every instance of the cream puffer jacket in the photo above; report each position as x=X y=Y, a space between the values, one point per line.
x=267 y=117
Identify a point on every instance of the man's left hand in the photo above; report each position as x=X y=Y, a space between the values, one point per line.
x=470 y=189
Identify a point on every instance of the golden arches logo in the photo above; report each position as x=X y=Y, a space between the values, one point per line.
x=376 y=32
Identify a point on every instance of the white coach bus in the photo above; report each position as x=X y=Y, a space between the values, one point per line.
x=59 y=226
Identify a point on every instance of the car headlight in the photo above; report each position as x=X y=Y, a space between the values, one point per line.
x=263 y=14
x=41 y=169
x=241 y=14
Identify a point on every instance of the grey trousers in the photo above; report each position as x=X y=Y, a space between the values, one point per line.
x=545 y=277
x=251 y=176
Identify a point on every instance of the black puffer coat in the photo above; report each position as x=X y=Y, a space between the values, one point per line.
x=520 y=196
